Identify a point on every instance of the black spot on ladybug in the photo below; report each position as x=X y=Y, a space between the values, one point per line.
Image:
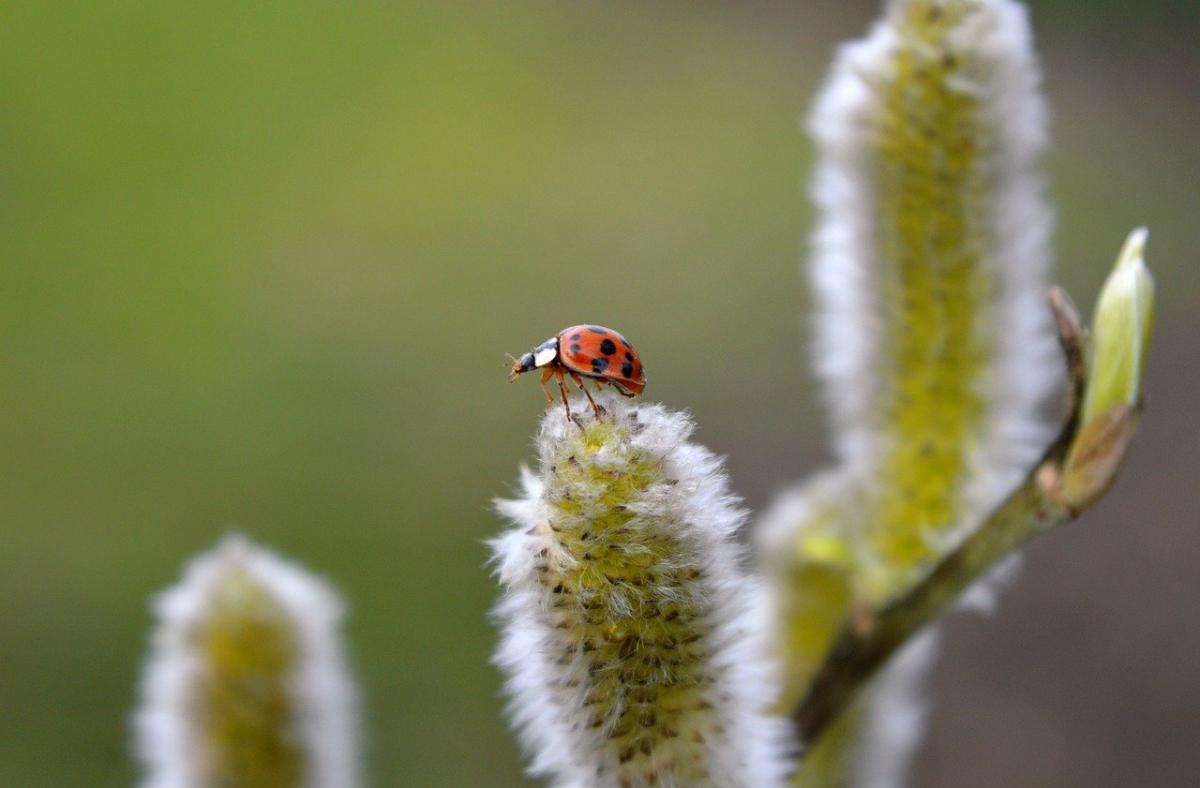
x=599 y=365
x=576 y=336
x=598 y=330
x=608 y=347
x=627 y=369
x=575 y=346
x=628 y=356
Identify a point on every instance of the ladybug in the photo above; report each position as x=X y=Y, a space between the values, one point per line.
x=584 y=351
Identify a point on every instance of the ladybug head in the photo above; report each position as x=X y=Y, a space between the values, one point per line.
x=519 y=365
x=540 y=356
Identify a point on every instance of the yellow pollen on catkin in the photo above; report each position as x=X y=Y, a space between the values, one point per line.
x=242 y=697
x=932 y=210
x=620 y=586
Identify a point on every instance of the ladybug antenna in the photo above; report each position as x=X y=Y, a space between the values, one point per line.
x=514 y=367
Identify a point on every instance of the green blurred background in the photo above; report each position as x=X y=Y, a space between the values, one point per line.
x=260 y=262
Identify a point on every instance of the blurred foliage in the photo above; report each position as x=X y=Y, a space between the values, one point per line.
x=262 y=262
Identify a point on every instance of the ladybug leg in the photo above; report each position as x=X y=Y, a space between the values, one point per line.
x=547 y=373
x=579 y=382
x=602 y=382
x=562 y=389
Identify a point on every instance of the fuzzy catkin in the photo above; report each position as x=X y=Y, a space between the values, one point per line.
x=632 y=639
x=804 y=548
x=933 y=334
x=933 y=341
x=246 y=685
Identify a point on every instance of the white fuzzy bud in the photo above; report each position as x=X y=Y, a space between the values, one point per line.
x=246 y=686
x=933 y=338
x=933 y=333
x=632 y=639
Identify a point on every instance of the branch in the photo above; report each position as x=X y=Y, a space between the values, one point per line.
x=1085 y=459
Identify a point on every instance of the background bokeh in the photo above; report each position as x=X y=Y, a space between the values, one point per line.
x=260 y=262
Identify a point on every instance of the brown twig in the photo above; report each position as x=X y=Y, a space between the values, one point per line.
x=1037 y=505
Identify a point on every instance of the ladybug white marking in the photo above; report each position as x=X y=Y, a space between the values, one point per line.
x=546 y=352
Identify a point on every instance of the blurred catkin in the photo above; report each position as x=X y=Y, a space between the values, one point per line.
x=632 y=640
x=933 y=338
x=245 y=686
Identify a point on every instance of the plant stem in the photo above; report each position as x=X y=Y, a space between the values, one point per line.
x=1037 y=505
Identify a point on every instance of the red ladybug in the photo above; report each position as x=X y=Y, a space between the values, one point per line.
x=584 y=351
